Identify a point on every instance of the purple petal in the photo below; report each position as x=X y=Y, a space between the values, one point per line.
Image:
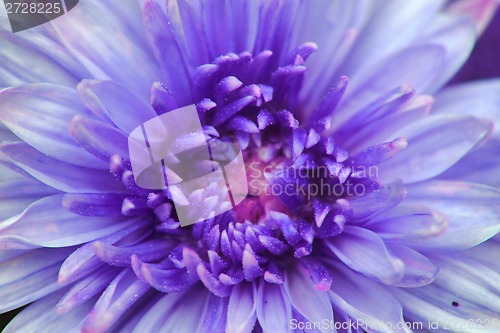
x=114 y=101
x=57 y=174
x=274 y=311
x=46 y=223
x=311 y=303
x=175 y=73
x=99 y=138
x=419 y=270
x=360 y=298
x=29 y=277
x=473 y=212
x=120 y=295
x=17 y=194
x=40 y=114
x=241 y=311
x=464 y=291
x=103 y=57
x=407 y=224
x=480 y=99
x=377 y=202
x=357 y=247
x=86 y=289
x=42 y=315
x=434 y=145
x=93 y=204
x=23 y=61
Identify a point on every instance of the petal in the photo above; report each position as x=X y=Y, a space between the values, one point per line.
x=377 y=202
x=365 y=252
x=175 y=74
x=41 y=316
x=241 y=312
x=419 y=270
x=465 y=292
x=98 y=138
x=46 y=223
x=39 y=114
x=57 y=174
x=112 y=48
x=29 y=277
x=434 y=145
x=407 y=224
x=456 y=35
x=398 y=69
x=25 y=60
x=119 y=296
x=274 y=311
x=124 y=107
x=473 y=212
x=360 y=298
x=480 y=99
x=17 y=194
x=309 y=302
x=479 y=166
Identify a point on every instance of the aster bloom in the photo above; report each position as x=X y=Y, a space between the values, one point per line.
x=395 y=202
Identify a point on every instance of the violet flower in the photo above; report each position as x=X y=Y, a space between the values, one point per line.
x=402 y=242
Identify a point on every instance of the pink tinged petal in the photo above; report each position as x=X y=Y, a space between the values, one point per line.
x=365 y=252
x=46 y=223
x=175 y=73
x=309 y=302
x=383 y=129
x=274 y=311
x=377 y=154
x=361 y=298
x=118 y=297
x=457 y=37
x=114 y=101
x=98 y=138
x=121 y=33
x=148 y=251
x=434 y=145
x=86 y=289
x=84 y=261
x=41 y=316
x=464 y=292
x=57 y=174
x=479 y=98
x=39 y=114
x=419 y=270
x=473 y=212
x=408 y=224
x=164 y=280
x=29 y=277
x=480 y=11
x=241 y=312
